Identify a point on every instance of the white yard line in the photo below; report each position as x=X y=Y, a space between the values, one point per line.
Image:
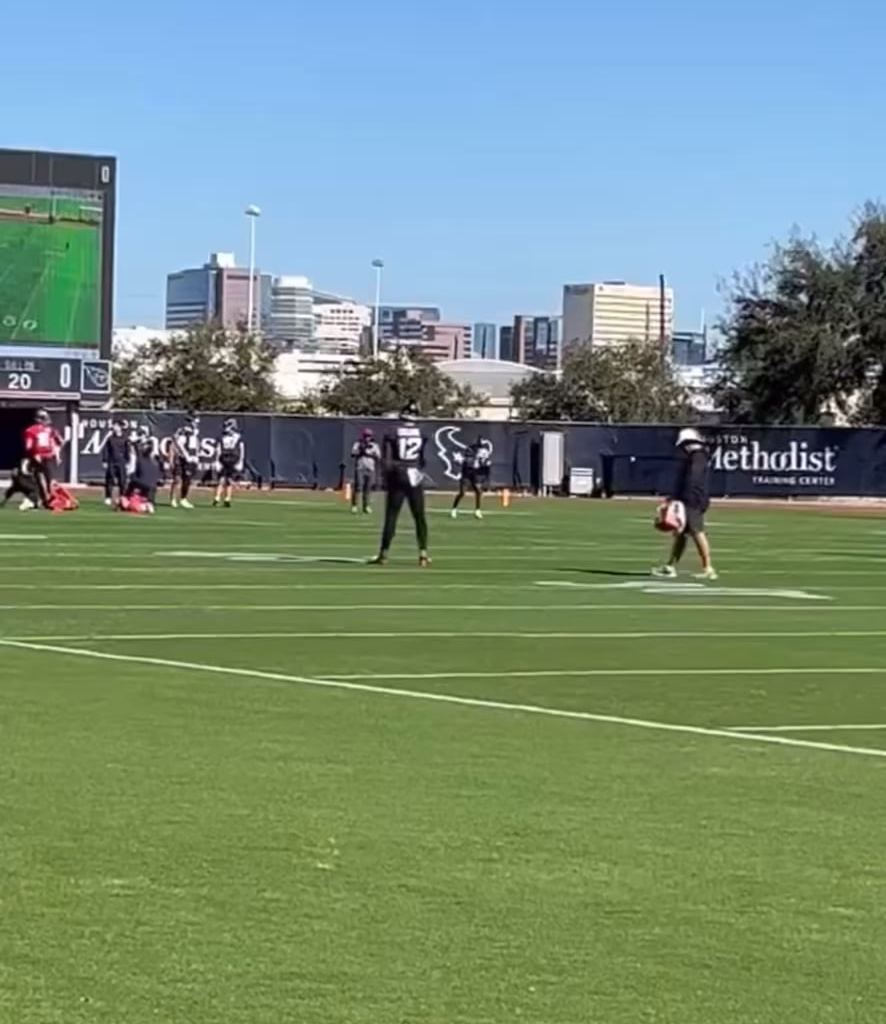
x=685 y=604
x=470 y=634
x=803 y=728
x=654 y=673
x=445 y=698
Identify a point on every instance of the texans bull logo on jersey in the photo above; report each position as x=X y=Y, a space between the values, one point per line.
x=451 y=450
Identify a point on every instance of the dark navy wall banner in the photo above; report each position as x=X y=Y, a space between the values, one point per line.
x=298 y=451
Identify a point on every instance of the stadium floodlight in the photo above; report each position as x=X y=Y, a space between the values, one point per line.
x=378 y=266
x=253 y=213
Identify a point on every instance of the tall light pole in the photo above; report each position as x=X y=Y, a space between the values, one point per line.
x=378 y=266
x=253 y=213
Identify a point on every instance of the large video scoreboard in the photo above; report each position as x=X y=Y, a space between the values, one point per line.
x=57 y=213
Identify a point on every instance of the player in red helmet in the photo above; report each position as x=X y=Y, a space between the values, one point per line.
x=42 y=444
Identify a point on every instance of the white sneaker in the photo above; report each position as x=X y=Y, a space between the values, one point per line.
x=186 y=504
x=707 y=574
x=109 y=502
x=150 y=509
x=174 y=502
x=353 y=510
x=665 y=572
x=478 y=514
x=26 y=505
x=454 y=513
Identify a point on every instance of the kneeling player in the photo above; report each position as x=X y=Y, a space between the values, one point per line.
x=22 y=483
x=144 y=476
x=403 y=461
x=474 y=475
x=230 y=458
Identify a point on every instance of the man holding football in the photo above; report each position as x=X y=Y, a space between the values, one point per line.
x=692 y=491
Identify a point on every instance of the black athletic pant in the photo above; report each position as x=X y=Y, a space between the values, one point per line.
x=400 y=490
x=115 y=476
x=362 y=487
x=184 y=473
x=469 y=481
x=41 y=473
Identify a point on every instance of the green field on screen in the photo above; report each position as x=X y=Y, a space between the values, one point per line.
x=50 y=270
x=248 y=779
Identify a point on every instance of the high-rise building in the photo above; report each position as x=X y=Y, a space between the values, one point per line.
x=506 y=344
x=405 y=323
x=535 y=341
x=292 y=312
x=484 y=341
x=614 y=312
x=340 y=325
x=217 y=292
x=689 y=348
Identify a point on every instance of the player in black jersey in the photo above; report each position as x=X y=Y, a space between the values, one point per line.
x=403 y=462
x=475 y=466
x=185 y=461
x=116 y=455
x=230 y=457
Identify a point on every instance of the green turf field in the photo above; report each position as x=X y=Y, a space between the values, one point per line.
x=255 y=790
x=50 y=271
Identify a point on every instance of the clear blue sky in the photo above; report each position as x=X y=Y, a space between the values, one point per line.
x=488 y=151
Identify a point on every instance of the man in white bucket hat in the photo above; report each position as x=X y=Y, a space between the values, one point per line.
x=691 y=488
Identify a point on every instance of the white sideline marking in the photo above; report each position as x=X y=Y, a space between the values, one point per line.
x=554 y=673
x=23 y=536
x=431 y=606
x=684 y=588
x=446 y=698
x=803 y=728
x=450 y=634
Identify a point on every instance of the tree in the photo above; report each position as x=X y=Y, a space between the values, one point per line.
x=377 y=387
x=629 y=383
x=205 y=367
x=805 y=333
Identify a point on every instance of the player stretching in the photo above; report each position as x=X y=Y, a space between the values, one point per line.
x=185 y=462
x=230 y=457
x=475 y=467
x=42 y=447
x=403 y=460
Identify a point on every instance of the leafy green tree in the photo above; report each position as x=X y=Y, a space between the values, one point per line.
x=205 y=367
x=790 y=351
x=376 y=387
x=629 y=383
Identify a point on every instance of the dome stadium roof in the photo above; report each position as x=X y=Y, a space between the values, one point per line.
x=492 y=377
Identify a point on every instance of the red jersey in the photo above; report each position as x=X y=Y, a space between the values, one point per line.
x=42 y=441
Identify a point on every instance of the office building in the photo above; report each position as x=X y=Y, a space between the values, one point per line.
x=484 y=341
x=689 y=348
x=615 y=312
x=535 y=341
x=405 y=323
x=340 y=325
x=292 y=312
x=217 y=292
x=506 y=343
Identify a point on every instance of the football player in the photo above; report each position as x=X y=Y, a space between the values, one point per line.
x=185 y=461
x=116 y=453
x=230 y=458
x=691 y=487
x=475 y=468
x=403 y=462
x=42 y=445
x=366 y=455
x=145 y=472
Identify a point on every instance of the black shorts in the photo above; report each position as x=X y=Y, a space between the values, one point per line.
x=694 y=521
x=183 y=470
x=228 y=471
x=475 y=477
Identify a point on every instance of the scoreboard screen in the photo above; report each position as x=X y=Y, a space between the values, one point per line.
x=57 y=216
x=57 y=377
